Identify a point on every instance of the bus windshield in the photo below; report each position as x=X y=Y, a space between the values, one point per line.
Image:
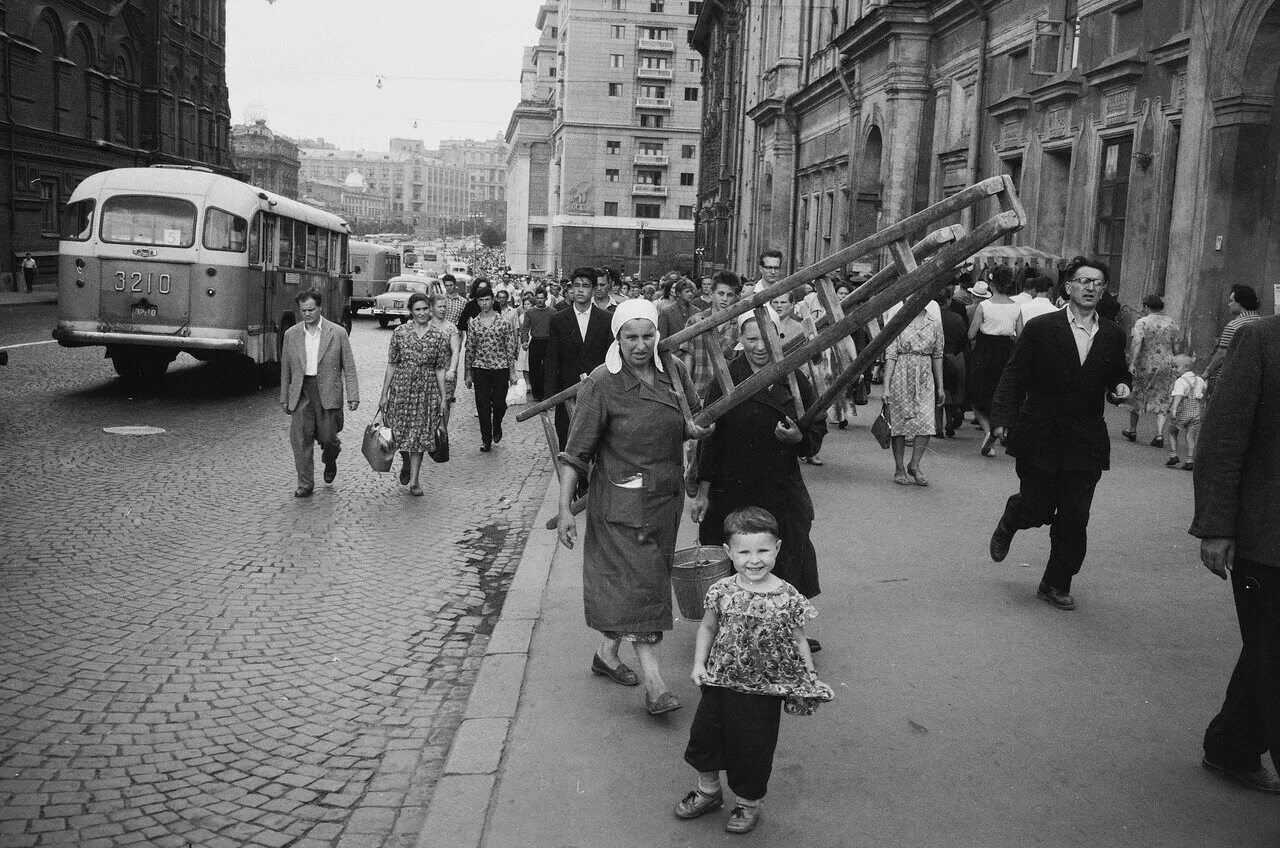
x=148 y=219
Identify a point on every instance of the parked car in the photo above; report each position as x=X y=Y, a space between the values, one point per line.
x=394 y=302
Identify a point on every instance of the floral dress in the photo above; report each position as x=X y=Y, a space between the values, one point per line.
x=754 y=650
x=1152 y=343
x=414 y=405
x=911 y=391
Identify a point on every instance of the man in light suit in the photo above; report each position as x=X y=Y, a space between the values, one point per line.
x=1237 y=487
x=1050 y=401
x=316 y=364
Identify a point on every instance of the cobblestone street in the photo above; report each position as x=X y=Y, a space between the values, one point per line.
x=191 y=657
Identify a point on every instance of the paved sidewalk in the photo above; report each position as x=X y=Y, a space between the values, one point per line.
x=41 y=294
x=968 y=713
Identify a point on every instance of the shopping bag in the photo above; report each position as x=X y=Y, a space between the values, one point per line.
x=379 y=447
x=518 y=393
x=439 y=450
x=880 y=428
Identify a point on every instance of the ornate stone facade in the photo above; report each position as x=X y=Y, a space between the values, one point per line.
x=96 y=84
x=1130 y=129
x=270 y=161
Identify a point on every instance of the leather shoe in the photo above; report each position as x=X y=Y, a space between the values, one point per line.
x=330 y=470
x=404 y=469
x=743 y=819
x=664 y=703
x=1001 y=539
x=621 y=674
x=1258 y=778
x=814 y=646
x=497 y=433
x=696 y=804
x=1061 y=600
x=302 y=492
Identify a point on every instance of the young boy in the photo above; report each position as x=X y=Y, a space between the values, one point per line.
x=1184 y=415
x=751 y=655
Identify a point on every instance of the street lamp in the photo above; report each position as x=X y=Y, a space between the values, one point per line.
x=640 y=253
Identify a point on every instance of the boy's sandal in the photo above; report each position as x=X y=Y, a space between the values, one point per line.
x=696 y=803
x=743 y=819
x=416 y=491
x=902 y=479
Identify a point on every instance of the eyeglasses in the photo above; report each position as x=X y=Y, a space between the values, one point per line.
x=1088 y=282
x=771 y=267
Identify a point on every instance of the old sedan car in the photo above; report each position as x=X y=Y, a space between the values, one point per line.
x=393 y=304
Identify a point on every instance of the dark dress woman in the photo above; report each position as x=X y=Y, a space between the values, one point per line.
x=744 y=463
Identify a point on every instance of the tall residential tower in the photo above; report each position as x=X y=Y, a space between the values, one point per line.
x=610 y=117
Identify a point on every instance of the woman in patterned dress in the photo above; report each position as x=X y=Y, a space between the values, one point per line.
x=490 y=365
x=1152 y=343
x=421 y=359
x=913 y=390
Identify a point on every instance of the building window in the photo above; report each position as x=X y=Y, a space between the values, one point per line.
x=656 y=33
x=656 y=5
x=555 y=32
x=611 y=175
x=653 y=121
x=1046 y=50
x=1126 y=27
x=695 y=8
x=1113 y=198
x=613 y=148
x=694 y=65
x=691 y=95
x=686 y=213
x=688 y=151
x=551 y=71
x=619 y=5
x=648 y=243
x=1019 y=64
x=649 y=178
x=615 y=60
x=615 y=89
x=652 y=148
x=648 y=210
x=611 y=208
x=686 y=179
x=49 y=206
x=618 y=30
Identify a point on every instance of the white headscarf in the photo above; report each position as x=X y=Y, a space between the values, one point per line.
x=635 y=308
x=751 y=316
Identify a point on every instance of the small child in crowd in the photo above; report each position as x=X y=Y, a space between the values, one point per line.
x=1184 y=415
x=751 y=656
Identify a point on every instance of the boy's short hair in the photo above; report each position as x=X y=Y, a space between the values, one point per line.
x=749 y=520
x=727 y=278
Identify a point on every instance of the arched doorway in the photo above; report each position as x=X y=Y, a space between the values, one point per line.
x=866 y=213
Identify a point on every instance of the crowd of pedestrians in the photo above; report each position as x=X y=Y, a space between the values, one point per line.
x=1034 y=360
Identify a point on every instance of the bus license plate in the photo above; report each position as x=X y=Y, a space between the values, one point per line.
x=146 y=312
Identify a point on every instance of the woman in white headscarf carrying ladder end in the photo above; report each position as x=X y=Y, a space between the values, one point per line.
x=628 y=421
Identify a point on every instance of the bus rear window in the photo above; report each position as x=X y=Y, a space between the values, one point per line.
x=148 y=219
x=224 y=231
x=77 y=220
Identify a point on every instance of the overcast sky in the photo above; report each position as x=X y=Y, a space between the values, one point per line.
x=311 y=67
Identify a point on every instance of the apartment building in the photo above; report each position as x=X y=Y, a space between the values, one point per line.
x=615 y=91
x=486 y=163
x=1134 y=130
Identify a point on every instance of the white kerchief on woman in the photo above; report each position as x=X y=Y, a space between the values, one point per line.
x=627 y=310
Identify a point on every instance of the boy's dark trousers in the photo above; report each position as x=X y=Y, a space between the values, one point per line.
x=736 y=733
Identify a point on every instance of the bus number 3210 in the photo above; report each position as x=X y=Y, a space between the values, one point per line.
x=134 y=282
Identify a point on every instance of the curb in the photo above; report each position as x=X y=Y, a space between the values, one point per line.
x=10 y=299
x=459 y=807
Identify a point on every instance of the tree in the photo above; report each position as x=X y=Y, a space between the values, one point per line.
x=491 y=236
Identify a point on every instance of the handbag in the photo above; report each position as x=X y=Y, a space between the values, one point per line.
x=880 y=428
x=518 y=394
x=379 y=446
x=439 y=450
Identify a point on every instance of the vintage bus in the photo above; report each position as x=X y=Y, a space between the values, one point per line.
x=372 y=265
x=156 y=261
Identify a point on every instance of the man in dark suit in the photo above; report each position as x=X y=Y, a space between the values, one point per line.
x=1049 y=403
x=578 y=340
x=316 y=367
x=1237 y=487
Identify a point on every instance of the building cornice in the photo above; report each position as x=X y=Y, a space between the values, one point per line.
x=1173 y=52
x=1128 y=66
x=1064 y=86
x=872 y=31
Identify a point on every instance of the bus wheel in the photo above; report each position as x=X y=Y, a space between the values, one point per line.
x=346 y=321
x=384 y=323
x=141 y=366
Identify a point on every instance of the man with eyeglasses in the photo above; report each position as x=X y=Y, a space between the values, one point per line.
x=770 y=266
x=1050 y=403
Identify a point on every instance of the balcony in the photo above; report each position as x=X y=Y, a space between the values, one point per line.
x=653 y=102
x=655 y=73
x=664 y=45
x=649 y=190
x=659 y=159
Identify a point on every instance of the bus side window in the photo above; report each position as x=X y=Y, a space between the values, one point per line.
x=342 y=252
x=322 y=251
x=255 y=239
x=313 y=251
x=286 y=243
x=299 y=244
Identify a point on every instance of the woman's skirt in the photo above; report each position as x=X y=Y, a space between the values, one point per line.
x=986 y=364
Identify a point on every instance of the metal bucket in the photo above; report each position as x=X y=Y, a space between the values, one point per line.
x=694 y=572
